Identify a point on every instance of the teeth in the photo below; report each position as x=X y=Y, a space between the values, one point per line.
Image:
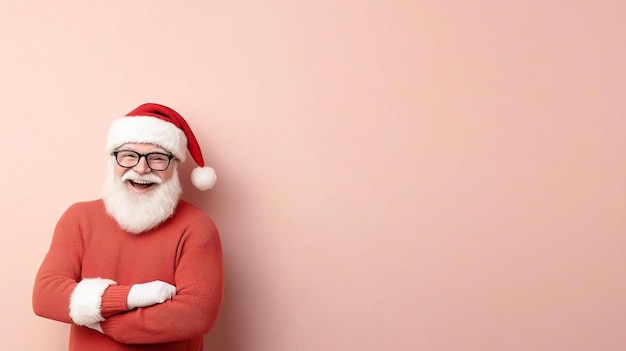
x=141 y=182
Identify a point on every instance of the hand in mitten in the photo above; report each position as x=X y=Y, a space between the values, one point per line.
x=148 y=294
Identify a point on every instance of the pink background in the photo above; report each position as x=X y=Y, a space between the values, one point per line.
x=393 y=175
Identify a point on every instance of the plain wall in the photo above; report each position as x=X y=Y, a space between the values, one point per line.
x=392 y=175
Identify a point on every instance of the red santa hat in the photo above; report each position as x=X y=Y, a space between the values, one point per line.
x=162 y=126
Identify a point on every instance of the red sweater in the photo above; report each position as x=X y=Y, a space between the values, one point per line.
x=184 y=251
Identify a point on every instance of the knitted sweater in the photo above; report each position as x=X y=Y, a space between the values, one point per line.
x=184 y=251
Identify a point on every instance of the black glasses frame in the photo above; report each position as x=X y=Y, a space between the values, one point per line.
x=139 y=156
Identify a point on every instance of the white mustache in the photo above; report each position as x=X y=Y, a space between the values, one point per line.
x=136 y=177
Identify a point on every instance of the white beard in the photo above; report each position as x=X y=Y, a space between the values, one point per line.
x=139 y=212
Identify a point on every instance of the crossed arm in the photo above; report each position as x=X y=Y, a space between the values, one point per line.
x=141 y=313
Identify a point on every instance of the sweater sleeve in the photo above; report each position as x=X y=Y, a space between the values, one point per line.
x=59 y=292
x=194 y=309
x=60 y=270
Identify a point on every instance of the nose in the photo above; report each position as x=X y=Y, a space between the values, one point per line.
x=142 y=166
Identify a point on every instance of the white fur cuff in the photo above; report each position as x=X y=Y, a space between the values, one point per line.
x=86 y=300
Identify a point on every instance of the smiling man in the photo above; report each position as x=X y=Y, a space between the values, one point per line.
x=140 y=268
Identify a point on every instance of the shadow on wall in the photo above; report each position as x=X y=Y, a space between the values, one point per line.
x=226 y=333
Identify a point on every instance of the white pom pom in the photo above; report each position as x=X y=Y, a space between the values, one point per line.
x=203 y=178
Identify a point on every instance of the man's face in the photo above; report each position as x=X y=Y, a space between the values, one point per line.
x=142 y=168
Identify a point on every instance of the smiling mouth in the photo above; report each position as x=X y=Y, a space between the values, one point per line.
x=140 y=185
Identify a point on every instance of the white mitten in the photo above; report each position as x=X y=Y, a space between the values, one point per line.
x=148 y=294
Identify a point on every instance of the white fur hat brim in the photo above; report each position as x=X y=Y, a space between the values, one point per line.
x=146 y=129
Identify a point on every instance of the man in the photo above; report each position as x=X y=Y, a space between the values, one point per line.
x=138 y=269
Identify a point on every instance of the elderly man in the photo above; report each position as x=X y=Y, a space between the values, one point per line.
x=138 y=269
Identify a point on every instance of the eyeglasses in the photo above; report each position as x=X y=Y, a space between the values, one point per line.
x=157 y=161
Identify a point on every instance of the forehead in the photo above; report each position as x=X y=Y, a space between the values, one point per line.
x=142 y=147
